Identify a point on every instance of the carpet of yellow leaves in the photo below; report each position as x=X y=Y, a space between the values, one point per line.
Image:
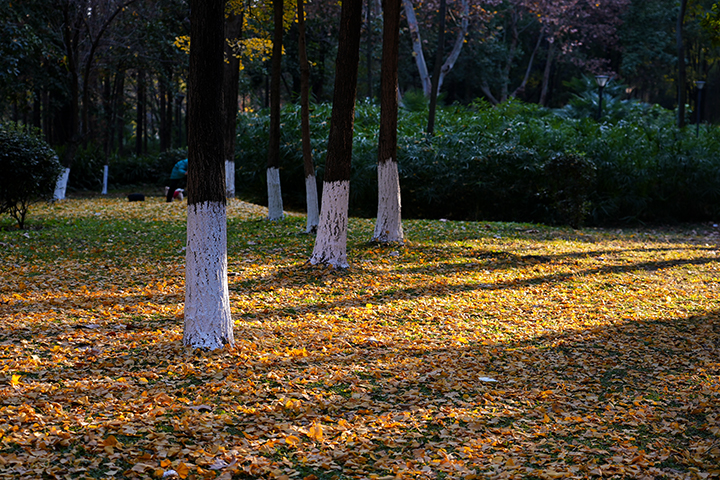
x=476 y=350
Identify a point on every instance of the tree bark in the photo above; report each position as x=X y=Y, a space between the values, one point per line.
x=275 y=205
x=208 y=323
x=233 y=30
x=140 y=112
x=388 y=227
x=331 y=241
x=682 y=75
x=546 y=74
x=436 y=70
x=311 y=195
x=417 y=46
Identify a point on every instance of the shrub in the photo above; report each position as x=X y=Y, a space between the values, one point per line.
x=29 y=169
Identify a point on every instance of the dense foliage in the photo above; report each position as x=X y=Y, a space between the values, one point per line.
x=29 y=169
x=512 y=162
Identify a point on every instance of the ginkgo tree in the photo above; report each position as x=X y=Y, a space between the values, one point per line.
x=208 y=323
x=331 y=241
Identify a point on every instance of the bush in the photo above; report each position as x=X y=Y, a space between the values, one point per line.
x=29 y=167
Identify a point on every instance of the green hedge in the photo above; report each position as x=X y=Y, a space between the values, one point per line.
x=514 y=162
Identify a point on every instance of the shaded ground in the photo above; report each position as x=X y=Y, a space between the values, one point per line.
x=477 y=350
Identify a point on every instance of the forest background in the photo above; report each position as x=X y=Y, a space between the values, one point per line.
x=106 y=84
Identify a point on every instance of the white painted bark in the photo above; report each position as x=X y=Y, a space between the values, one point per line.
x=230 y=178
x=388 y=227
x=61 y=185
x=208 y=323
x=331 y=240
x=105 y=179
x=417 y=46
x=275 y=203
x=313 y=209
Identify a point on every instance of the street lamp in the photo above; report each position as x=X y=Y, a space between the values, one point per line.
x=699 y=84
x=601 y=80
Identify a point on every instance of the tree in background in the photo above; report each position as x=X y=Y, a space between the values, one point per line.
x=331 y=241
x=388 y=227
x=275 y=205
x=233 y=31
x=208 y=323
x=311 y=195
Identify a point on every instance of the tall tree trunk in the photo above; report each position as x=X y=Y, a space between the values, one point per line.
x=528 y=70
x=140 y=112
x=311 y=195
x=275 y=205
x=162 y=94
x=682 y=75
x=120 y=111
x=233 y=30
x=208 y=323
x=369 y=48
x=546 y=74
x=331 y=241
x=436 y=70
x=388 y=227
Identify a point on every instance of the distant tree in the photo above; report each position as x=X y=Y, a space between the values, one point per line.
x=208 y=323
x=331 y=241
x=681 y=69
x=275 y=204
x=311 y=194
x=233 y=30
x=388 y=227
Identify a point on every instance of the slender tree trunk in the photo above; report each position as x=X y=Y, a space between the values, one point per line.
x=682 y=76
x=388 y=227
x=233 y=31
x=311 y=194
x=369 y=48
x=275 y=205
x=208 y=323
x=140 y=112
x=436 y=70
x=425 y=80
x=162 y=111
x=546 y=73
x=331 y=241
x=528 y=70
x=120 y=111
x=511 y=56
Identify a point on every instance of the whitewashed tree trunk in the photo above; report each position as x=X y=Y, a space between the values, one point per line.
x=105 y=179
x=388 y=227
x=230 y=178
x=208 y=323
x=425 y=77
x=331 y=240
x=61 y=185
x=311 y=198
x=275 y=203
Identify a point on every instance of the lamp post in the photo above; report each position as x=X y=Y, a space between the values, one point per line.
x=699 y=84
x=601 y=80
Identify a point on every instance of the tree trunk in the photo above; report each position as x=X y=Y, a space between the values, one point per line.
x=140 y=113
x=682 y=76
x=417 y=46
x=208 y=323
x=275 y=205
x=369 y=48
x=388 y=227
x=331 y=241
x=436 y=70
x=233 y=30
x=120 y=112
x=546 y=73
x=311 y=195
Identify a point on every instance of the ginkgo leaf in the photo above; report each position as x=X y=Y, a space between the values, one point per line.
x=292 y=440
x=15 y=380
x=316 y=432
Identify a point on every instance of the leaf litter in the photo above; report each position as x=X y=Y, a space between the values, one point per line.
x=475 y=350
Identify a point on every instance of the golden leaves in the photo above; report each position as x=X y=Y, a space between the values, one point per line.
x=536 y=354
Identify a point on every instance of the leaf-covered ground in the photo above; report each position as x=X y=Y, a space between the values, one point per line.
x=477 y=350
